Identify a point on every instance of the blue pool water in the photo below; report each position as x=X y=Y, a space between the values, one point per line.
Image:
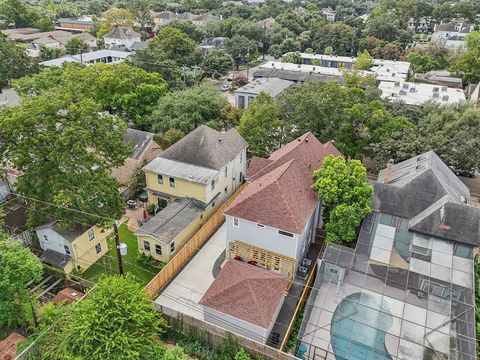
x=358 y=328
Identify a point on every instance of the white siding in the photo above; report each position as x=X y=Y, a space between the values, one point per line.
x=235 y=169
x=55 y=241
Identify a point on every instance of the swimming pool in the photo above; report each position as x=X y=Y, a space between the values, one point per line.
x=358 y=328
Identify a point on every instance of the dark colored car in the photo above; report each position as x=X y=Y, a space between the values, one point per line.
x=143 y=197
x=463 y=172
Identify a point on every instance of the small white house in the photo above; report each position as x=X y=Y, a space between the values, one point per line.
x=121 y=36
x=270 y=86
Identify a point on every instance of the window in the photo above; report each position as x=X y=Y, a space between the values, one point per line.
x=160 y=178
x=172 y=182
x=158 y=249
x=146 y=245
x=172 y=247
x=463 y=251
x=213 y=204
x=241 y=157
x=91 y=234
x=284 y=233
x=235 y=222
x=212 y=184
x=45 y=237
x=226 y=171
x=98 y=248
x=67 y=249
x=260 y=225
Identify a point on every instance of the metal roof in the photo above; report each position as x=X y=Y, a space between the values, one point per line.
x=181 y=170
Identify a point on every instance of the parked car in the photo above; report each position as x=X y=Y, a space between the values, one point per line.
x=231 y=76
x=225 y=87
x=463 y=172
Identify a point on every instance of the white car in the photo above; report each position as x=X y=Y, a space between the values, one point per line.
x=231 y=76
x=225 y=87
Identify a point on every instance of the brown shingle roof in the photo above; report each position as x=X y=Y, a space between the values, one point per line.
x=256 y=164
x=279 y=194
x=246 y=292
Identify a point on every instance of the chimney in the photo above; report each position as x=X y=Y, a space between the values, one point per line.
x=388 y=173
x=443 y=219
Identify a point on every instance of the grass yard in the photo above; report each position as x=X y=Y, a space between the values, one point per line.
x=108 y=263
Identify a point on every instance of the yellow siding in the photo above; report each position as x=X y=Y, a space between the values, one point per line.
x=69 y=267
x=84 y=253
x=182 y=188
x=180 y=241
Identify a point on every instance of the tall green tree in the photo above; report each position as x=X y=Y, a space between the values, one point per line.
x=217 y=63
x=65 y=147
x=114 y=17
x=115 y=321
x=467 y=63
x=343 y=187
x=14 y=62
x=185 y=110
x=17 y=12
x=261 y=126
x=240 y=48
x=18 y=266
x=339 y=36
x=76 y=46
x=140 y=10
x=193 y=31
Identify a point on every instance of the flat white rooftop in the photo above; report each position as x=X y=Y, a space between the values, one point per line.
x=381 y=72
x=418 y=94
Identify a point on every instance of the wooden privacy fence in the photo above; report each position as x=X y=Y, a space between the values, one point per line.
x=301 y=302
x=189 y=249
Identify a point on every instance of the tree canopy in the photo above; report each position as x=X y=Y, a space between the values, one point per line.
x=115 y=321
x=14 y=62
x=65 y=146
x=18 y=267
x=261 y=126
x=344 y=189
x=467 y=63
x=186 y=109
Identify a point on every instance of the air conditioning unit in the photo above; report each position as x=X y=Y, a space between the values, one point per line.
x=445 y=98
x=436 y=95
x=444 y=88
x=402 y=92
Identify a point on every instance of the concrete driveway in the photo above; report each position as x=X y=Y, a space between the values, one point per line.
x=186 y=290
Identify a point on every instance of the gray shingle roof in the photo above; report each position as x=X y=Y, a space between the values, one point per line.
x=122 y=32
x=206 y=147
x=424 y=190
x=171 y=221
x=139 y=140
x=55 y=258
x=68 y=234
x=181 y=170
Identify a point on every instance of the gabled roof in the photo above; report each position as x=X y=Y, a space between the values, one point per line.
x=166 y=225
x=279 y=194
x=424 y=190
x=68 y=234
x=246 y=292
x=206 y=147
x=54 y=258
x=139 y=140
x=122 y=32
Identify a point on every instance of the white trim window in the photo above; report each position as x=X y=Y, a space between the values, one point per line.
x=172 y=247
x=171 y=181
x=146 y=245
x=91 y=234
x=236 y=222
x=67 y=249
x=98 y=248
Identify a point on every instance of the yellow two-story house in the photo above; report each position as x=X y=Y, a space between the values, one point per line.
x=187 y=182
x=72 y=249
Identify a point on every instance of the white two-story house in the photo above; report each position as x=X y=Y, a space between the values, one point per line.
x=273 y=221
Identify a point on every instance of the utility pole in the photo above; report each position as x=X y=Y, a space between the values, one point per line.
x=35 y=320
x=117 y=244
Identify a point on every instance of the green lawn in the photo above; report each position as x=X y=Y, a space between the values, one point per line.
x=108 y=263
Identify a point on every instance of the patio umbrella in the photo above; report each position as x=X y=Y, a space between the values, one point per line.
x=145 y=214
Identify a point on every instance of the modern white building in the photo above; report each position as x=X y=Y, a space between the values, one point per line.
x=270 y=86
x=419 y=93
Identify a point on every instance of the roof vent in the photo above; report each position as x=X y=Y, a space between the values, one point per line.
x=462 y=199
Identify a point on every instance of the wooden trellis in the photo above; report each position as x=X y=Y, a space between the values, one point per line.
x=264 y=258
